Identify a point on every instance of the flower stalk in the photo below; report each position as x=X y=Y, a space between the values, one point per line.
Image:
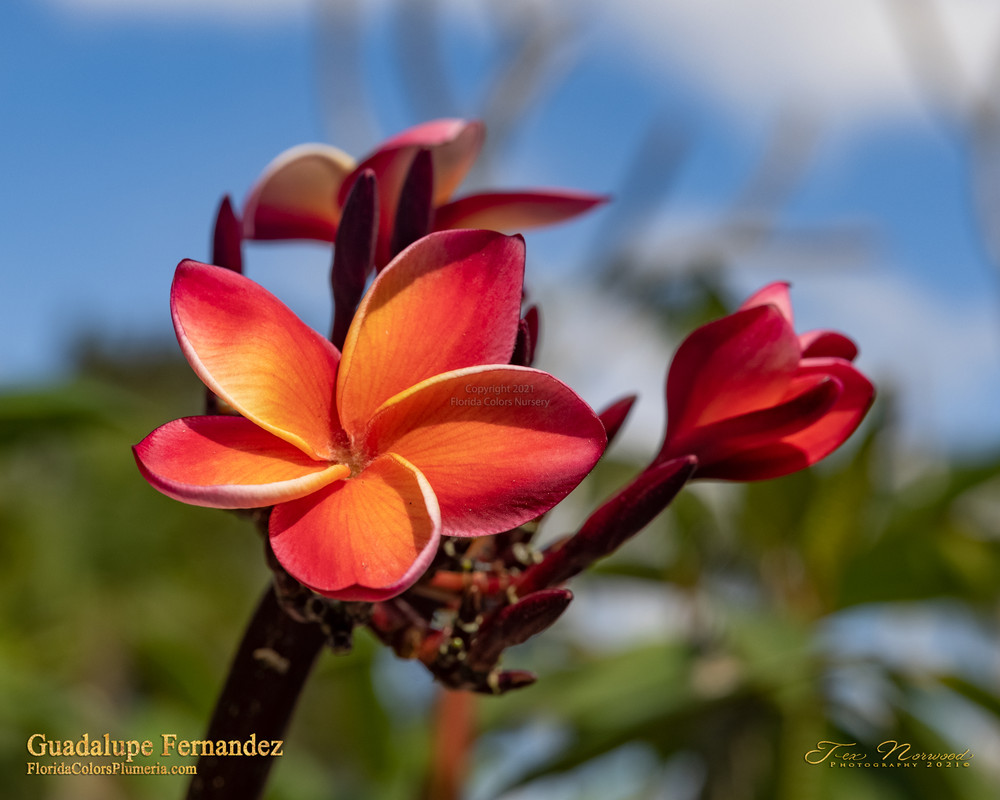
x=267 y=675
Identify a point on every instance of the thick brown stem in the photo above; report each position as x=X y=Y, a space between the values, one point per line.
x=265 y=680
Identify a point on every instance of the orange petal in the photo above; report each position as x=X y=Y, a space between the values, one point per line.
x=500 y=445
x=514 y=211
x=228 y=462
x=254 y=353
x=296 y=196
x=367 y=538
x=450 y=300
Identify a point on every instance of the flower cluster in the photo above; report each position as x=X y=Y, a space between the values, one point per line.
x=403 y=463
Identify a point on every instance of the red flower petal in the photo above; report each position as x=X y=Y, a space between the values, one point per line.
x=296 y=196
x=775 y=294
x=228 y=462
x=367 y=538
x=514 y=211
x=740 y=363
x=455 y=144
x=254 y=353
x=857 y=396
x=814 y=442
x=827 y=344
x=500 y=445
x=450 y=300
x=812 y=398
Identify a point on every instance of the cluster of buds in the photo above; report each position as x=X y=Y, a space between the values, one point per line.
x=747 y=399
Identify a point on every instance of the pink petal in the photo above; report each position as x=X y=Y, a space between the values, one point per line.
x=450 y=300
x=296 y=196
x=367 y=538
x=514 y=211
x=254 y=353
x=740 y=363
x=827 y=344
x=500 y=445
x=775 y=294
x=228 y=462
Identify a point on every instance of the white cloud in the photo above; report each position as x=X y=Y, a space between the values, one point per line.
x=841 y=58
x=844 y=59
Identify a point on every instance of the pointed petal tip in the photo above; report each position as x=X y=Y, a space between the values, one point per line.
x=614 y=416
x=776 y=294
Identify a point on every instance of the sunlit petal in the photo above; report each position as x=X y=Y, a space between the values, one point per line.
x=514 y=211
x=740 y=363
x=450 y=300
x=228 y=462
x=454 y=145
x=296 y=196
x=500 y=445
x=367 y=538
x=254 y=353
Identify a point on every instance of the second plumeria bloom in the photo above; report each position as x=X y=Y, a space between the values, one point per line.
x=302 y=192
x=752 y=400
x=420 y=429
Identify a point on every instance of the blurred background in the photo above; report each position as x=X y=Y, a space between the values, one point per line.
x=852 y=148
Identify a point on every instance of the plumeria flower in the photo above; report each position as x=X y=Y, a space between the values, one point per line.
x=751 y=400
x=419 y=429
x=301 y=193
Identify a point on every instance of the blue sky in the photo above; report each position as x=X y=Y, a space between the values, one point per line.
x=124 y=123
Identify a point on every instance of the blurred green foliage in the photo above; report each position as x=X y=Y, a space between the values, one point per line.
x=791 y=601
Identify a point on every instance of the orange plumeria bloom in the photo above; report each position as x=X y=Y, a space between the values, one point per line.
x=301 y=193
x=420 y=429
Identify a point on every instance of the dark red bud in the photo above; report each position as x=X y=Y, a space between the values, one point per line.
x=354 y=252
x=620 y=518
x=516 y=623
x=613 y=417
x=527 y=339
x=227 y=238
x=413 y=213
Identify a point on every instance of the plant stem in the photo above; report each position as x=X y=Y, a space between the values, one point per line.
x=265 y=680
